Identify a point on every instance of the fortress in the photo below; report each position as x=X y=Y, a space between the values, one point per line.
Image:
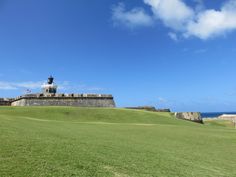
x=50 y=97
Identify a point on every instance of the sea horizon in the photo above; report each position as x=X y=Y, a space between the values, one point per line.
x=215 y=114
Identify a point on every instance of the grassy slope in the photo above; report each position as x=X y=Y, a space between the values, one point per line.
x=219 y=122
x=110 y=142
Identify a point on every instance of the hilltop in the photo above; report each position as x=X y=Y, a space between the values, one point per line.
x=67 y=141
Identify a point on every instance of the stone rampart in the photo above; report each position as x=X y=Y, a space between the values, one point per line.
x=80 y=100
x=5 y=101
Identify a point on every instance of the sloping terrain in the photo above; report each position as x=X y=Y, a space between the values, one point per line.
x=66 y=141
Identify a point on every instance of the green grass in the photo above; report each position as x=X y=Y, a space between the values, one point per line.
x=219 y=122
x=66 y=141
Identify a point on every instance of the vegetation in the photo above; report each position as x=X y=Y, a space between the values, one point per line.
x=219 y=122
x=66 y=141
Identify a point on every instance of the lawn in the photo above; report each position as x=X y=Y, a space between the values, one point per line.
x=67 y=141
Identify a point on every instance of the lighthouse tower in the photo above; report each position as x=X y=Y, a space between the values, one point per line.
x=49 y=87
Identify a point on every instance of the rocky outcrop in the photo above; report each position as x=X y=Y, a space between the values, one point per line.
x=191 y=116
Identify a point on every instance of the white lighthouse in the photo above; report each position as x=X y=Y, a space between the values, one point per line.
x=49 y=87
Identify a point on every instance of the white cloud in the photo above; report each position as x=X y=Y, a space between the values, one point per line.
x=29 y=85
x=199 y=5
x=133 y=18
x=179 y=17
x=7 y=86
x=173 y=36
x=211 y=23
x=19 y=85
x=173 y=13
x=62 y=85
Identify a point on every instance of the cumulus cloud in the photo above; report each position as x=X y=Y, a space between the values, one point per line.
x=200 y=6
x=173 y=13
x=210 y=23
x=133 y=18
x=179 y=17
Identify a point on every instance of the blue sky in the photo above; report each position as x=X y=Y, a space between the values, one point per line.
x=168 y=53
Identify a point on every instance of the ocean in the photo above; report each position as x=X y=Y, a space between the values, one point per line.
x=214 y=114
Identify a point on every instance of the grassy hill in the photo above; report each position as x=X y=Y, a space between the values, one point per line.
x=66 y=141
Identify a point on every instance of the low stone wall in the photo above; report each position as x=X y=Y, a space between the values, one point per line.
x=5 y=101
x=191 y=116
x=163 y=110
x=82 y=101
x=149 y=108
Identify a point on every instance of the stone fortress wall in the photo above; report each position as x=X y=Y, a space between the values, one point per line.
x=5 y=101
x=81 y=100
x=50 y=97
